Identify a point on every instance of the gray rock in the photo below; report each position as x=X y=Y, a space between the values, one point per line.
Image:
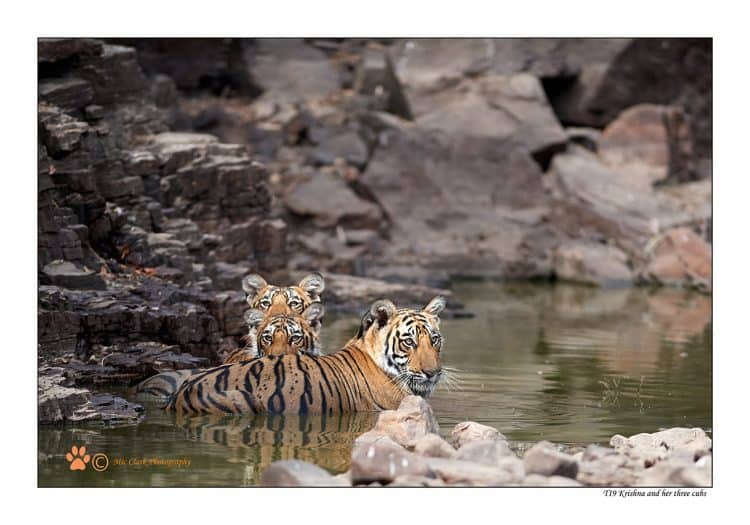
x=537 y=480
x=68 y=275
x=489 y=452
x=453 y=471
x=434 y=446
x=416 y=481
x=651 y=448
x=469 y=431
x=678 y=472
x=511 y=108
x=592 y=263
x=67 y=93
x=383 y=460
x=544 y=459
x=289 y=70
x=346 y=145
x=329 y=201
x=295 y=473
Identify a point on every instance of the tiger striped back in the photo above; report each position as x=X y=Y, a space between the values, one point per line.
x=397 y=354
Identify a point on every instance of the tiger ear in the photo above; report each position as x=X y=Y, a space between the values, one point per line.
x=435 y=306
x=313 y=284
x=253 y=318
x=252 y=284
x=313 y=313
x=381 y=310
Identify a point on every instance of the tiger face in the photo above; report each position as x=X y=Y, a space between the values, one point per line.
x=406 y=343
x=283 y=334
x=283 y=300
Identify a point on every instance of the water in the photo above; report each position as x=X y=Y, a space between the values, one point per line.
x=567 y=364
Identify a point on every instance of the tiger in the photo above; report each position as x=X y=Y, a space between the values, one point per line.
x=280 y=334
x=397 y=353
x=272 y=300
x=272 y=335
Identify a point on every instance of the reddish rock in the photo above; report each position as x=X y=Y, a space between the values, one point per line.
x=680 y=257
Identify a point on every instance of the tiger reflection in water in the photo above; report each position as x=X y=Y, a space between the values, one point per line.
x=260 y=440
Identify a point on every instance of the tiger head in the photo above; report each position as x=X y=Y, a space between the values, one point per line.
x=405 y=343
x=280 y=300
x=275 y=335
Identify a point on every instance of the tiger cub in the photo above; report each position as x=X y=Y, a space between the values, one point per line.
x=274 y=335
x=274 y=300
x=397 y=352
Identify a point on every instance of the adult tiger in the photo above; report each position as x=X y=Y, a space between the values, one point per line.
x=274 y=300
x=272 y=335
x=396 y=353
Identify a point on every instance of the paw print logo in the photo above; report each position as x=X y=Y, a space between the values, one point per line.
x=77 y=458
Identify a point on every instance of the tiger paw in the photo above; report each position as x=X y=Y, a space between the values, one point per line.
x=77 y=458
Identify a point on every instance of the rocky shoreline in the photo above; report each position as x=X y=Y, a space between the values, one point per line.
x=405 y=449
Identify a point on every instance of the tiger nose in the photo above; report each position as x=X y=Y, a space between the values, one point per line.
x=431 y=372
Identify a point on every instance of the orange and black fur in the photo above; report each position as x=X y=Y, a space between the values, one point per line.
x=397 y=353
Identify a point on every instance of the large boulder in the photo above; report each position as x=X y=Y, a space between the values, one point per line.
x=647 y=144
x=412 y=421
x=456 y=203
x=592 y=263
x=545 y=460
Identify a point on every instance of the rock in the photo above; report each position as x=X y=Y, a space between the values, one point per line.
x=596 y=202
x=461 y=184
x=543 y=459
x=383 y=460
x=57 y=402
x=651 y=448
x=376 y=77
x=51 y=50
x=416 y=481
x=501 y=107
x=68 y=275
x=469 y=431
x=585 y=137
x=67 y=93
x=296 y=473
x=675 y=472
x=648 y=143
x=680 y=257
x=346 y=145
x=348 y=293
x=288 y=70
x=592 y=263
x=329 y=201
x=432 y=445
x=605 y=467
x=675 y=71
x=489 y=452
x=61 y=403
x=409 y=423
x=453 y=471
x=537 y=480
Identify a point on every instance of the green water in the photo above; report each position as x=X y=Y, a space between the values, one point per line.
x=567 y=364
